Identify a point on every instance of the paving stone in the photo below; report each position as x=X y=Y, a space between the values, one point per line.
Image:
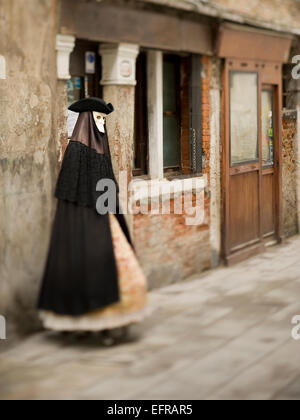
x=291 y=392
x=223 y=335
x=268 y=377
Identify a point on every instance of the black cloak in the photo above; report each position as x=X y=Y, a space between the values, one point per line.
x=81 y=272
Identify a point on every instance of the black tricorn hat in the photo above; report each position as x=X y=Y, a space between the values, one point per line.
x=92 y=104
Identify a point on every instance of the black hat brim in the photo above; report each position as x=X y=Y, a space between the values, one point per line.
x=92 y=104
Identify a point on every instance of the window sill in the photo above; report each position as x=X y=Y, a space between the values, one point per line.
x=142 y=189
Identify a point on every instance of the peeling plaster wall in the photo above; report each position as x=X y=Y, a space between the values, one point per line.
x=280 y=15
x=120 y=127
x=32 y=130
x=292 y=90
x=215 y=161
x=278 y=12
x=120 y=130
x=289 y=173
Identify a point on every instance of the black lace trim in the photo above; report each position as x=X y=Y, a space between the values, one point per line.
x=81 y=170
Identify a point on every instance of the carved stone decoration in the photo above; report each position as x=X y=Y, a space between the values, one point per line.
x=2 y=68
x=119 y=64
x=64 y=45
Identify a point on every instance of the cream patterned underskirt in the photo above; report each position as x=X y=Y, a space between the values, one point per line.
x=132 y=307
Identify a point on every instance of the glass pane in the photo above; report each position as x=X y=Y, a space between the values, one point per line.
x=244 y=117
x=171 y=142
x=170 y=95
x=171 y=113
x=267 y=128
x=75 y=89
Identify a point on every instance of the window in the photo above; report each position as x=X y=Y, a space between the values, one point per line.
x=244 y=117
x=168 y=107
x=182 y=97
x=83 y=84
x=195 y=96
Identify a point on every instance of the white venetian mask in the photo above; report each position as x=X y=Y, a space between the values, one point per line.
x=100 y=120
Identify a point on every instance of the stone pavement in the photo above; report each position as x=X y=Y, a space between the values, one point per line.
x=225 y=335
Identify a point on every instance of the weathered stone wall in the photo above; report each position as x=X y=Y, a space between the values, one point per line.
x=32 y=129
x=120 y=127
x=282 y=15
x=279 y=12
x=289 y=173
x=291 y=127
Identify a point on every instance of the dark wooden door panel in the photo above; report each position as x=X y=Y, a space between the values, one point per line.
x=268 y=204
x=244 y=209
x=252 y=161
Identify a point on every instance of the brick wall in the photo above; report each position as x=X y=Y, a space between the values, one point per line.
x=289 y=173
x=168 y=249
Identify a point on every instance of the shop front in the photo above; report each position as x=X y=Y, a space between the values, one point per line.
x=252 y=139
x=167 y=115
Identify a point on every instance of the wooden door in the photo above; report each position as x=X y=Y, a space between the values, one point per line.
x=251 y=159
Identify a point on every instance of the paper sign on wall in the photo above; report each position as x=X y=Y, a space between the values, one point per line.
x=90 y=62
x=72 y=120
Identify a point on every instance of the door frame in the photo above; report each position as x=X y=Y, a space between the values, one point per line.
x=269 y=73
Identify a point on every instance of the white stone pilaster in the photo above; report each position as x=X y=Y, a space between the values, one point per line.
x=119 y=81
x=119 y=64
x=2 y=68
x=155 y=113
x=64 y=46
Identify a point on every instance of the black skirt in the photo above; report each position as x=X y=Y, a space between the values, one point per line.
x=81 y=271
